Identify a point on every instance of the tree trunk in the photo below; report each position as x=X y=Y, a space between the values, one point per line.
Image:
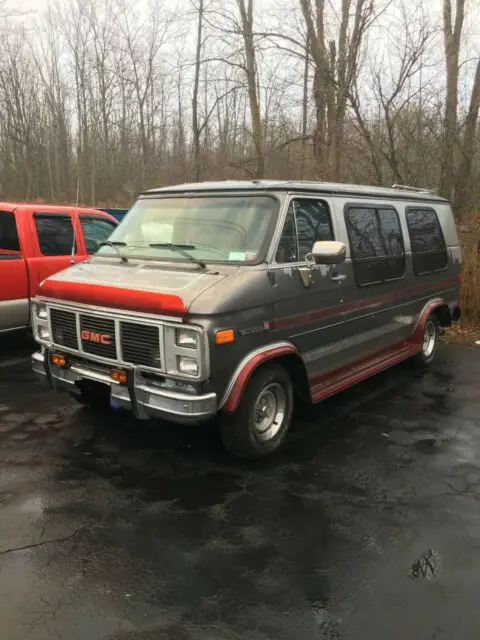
x=463 y=182
x=246 y=14
x=452 y=39
x=196 y=82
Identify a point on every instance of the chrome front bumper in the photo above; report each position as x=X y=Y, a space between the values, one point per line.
x=142 y=399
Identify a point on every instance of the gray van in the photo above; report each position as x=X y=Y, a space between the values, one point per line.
x=242 y=298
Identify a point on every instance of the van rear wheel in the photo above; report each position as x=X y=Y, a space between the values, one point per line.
x=263 y=417
x=431 y=334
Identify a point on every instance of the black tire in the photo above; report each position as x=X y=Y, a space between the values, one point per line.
x=429 y=344
x=242 y=433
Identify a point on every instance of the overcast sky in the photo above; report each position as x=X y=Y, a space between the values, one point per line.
x=382 y=37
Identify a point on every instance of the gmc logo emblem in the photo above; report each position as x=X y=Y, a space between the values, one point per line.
x=94 y=336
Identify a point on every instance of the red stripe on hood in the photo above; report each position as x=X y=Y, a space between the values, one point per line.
x=105 y=296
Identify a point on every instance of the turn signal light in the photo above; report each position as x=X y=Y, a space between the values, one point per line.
x=58 y=359
x=224 y=336
x=119 y=375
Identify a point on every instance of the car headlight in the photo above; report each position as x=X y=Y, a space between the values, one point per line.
x=188 y=366
x=186 y=338
x=41 y=311
x=43 y=333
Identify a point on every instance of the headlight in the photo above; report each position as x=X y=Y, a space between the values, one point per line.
x=186 y=338
x=41 y=311
x=43 y=333
x=188 y=366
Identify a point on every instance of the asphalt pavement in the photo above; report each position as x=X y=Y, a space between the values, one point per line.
x=365 y=527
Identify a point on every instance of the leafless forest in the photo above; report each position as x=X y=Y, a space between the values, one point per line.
x=115 y=96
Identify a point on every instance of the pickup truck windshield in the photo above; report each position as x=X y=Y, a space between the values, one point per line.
x=210 y=228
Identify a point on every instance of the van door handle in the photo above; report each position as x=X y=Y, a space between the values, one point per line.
x=338 y=277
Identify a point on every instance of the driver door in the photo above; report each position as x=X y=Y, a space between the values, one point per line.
x=308 y=300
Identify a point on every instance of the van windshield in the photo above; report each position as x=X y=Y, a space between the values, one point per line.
x=209 y=228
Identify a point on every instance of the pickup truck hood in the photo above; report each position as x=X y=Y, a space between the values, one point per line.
x=144 y=287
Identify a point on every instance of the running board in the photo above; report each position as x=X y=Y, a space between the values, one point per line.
x=339 y=380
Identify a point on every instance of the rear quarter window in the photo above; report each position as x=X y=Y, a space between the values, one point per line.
x=429 y=251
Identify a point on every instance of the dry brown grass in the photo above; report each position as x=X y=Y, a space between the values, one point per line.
x=469 y=232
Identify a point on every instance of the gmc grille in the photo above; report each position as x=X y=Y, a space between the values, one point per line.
x=98 y=336
x=64 y=328
x=140 y=344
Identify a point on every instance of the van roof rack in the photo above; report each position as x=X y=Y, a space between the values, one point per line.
x=404 y=187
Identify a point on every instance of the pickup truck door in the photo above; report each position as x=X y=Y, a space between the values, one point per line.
x=14 y=300
x=52 y=238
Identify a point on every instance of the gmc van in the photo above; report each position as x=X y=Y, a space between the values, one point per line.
x=242 y=298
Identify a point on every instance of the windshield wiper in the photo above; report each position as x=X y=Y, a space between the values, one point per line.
x=180 y=248
x=115 y=245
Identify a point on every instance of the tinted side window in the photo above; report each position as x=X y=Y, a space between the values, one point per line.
x=308 y=221
x=376 y=244
x=391 y=233
x=8 y=232
x=95 y=231
x=428 y=244
x=55 y=234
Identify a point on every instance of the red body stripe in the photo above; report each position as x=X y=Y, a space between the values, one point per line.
x=241 y=382
x=336 y=381
x=340 y=379
x=106 y=296
x=373 y=301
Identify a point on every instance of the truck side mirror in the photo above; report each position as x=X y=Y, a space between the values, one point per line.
x=329 y=252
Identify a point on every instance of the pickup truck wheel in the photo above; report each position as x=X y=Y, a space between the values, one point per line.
x=430 y=337
x=263 y=417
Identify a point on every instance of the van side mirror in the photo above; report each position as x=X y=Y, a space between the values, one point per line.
x=329 y=252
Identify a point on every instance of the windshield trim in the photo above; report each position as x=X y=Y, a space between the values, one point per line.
x=267 y=241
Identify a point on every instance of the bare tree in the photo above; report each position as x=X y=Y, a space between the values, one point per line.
x=452 y=38
x=336 y=67
x=463 y=195
x=196 y=83
x=250 y=65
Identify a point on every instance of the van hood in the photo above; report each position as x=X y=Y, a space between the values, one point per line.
x=144 y=287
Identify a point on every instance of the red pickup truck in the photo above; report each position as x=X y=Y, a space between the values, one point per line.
x=37 y=241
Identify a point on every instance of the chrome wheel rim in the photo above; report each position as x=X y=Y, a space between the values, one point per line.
x=269 y=412
x=429 y=339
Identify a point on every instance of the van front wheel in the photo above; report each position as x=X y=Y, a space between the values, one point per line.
x=429 y=344
x=263 y=417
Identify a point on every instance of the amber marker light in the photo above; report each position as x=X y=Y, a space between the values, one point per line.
x=224 y=336
x=119 y=375
x=58 y=359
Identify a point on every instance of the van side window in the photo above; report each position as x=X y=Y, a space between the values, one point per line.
x=55 y=234
x=428 y=244
x=376 y=243
x=307 y=222
x=8 y=232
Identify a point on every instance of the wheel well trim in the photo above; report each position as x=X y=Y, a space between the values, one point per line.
x=427 y=310
x=242 y=374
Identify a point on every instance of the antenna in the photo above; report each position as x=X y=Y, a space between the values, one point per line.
x=72 y=255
